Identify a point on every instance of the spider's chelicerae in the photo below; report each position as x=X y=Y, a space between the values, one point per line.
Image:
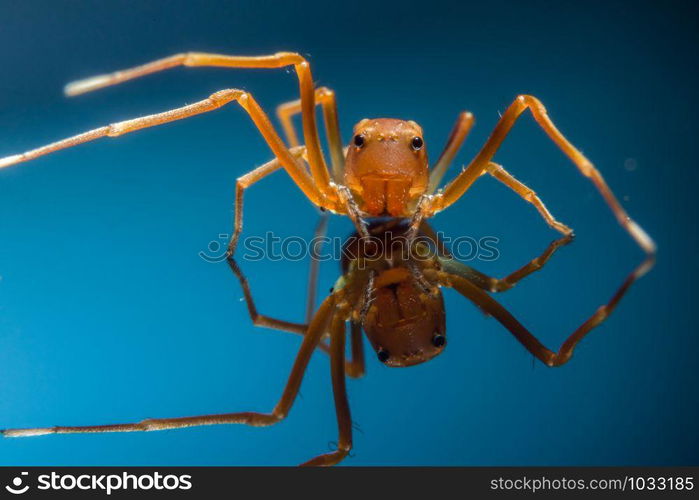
x=382 y=172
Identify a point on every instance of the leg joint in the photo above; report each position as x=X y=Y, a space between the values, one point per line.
x=278 y=414
x=324 y=93
x=225 y=96
x=291 y=58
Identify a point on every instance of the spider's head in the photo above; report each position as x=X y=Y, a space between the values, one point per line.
x=405 y=325
x=386 y=166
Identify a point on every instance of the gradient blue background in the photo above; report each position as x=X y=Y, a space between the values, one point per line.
x=107 y=314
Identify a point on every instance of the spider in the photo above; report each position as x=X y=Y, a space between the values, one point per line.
x=383 y=172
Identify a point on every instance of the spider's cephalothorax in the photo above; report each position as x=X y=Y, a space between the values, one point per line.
x=386 y=166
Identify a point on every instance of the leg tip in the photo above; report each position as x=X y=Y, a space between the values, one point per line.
x=87 y=85
x=10 y=160
x=14 y=433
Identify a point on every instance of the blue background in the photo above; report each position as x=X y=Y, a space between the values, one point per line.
x=107 y=314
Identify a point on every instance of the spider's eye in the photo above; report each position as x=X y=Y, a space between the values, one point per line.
x=359 y=140
x=439 y=340
x=417 y=143
x=383 y=355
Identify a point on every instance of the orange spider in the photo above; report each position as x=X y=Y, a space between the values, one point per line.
x=383 y=172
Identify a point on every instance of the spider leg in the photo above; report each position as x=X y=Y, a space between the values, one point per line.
x=462 y=127
x=353 y=366
x=294 y=167
x=279 y=60
x=314 y=268
x=491 y=284
x=528 y=195
x=493 y=308
x=344 y=419
x=352 y=211
x=247 y=180
x=432 y=235
x=261 y=319
x=280 y=411
x=479 y=164
x=326 y=98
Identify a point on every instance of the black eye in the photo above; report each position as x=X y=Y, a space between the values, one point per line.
x=439 y=340
x=416 y=143
x=383 y=355
x=359 y=140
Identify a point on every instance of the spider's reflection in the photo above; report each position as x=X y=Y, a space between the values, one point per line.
x=393 y=295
